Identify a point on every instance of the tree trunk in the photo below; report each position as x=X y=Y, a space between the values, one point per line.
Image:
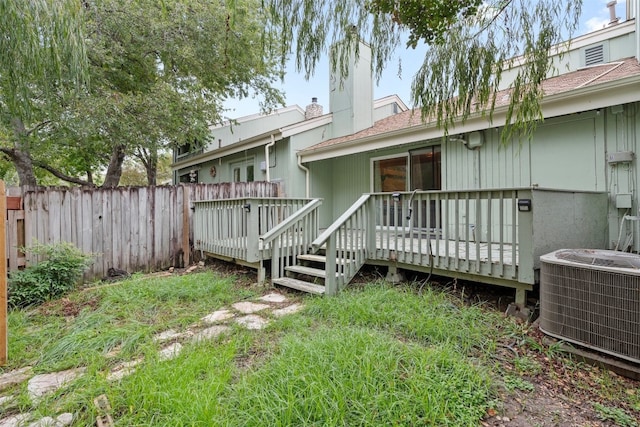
x=20 y=155
x=151 y=166
x=114 y=170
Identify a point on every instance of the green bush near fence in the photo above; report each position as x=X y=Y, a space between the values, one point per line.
x=61 y=267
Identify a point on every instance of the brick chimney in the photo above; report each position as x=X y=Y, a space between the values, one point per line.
x=313 y=110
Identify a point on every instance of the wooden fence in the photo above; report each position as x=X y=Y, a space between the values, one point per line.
x=128 y=228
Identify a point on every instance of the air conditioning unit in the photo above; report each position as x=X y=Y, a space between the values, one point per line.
x=592 y=298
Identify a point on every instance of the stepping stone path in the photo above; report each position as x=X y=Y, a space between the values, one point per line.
x=210 y=333
x=43 y=384
x=210 y=326
x=252 y=321
x=248 y=307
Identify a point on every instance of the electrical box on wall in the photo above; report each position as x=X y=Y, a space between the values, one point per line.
x=474 y=139
x=623 y=201
x=620 y=157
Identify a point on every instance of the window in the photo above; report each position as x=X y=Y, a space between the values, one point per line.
x=421 y=170
x=190 y=177
x=390 y=174
x=243 y=171
x=426 y=168
x=189 y=148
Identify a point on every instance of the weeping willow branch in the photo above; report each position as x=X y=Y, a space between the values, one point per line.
x=470 y=44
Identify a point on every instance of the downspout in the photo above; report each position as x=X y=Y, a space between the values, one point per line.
x=266 y=156
x=306 y=175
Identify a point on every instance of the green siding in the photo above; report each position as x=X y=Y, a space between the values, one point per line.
x=567 y=155
x=350 y=181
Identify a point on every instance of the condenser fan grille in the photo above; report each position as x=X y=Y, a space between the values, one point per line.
x=597 y=307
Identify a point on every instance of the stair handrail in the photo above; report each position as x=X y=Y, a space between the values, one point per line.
x=324 y=236
x=279 y=229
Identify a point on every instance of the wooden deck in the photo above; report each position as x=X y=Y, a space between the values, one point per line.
x=414 y=248
x=446 y=249
x=480 y=235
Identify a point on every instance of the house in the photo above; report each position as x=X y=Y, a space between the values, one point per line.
x=394 y=191
x=263 y=147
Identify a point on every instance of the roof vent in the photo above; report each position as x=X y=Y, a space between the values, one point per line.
x=594 y=55
x=313 y=110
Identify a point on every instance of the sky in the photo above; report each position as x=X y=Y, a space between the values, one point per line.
x=595 y=16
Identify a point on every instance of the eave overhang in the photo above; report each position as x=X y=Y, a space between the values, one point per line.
x=593 y=97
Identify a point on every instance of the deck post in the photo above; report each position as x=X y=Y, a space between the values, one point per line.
x=521 y=297
x=262 y=273
x=393 y=275
x=330 y=282
x=252 y=210
x=526 y=262
x=370 y=232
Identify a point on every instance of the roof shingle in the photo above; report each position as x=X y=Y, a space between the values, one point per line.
x=589 y=76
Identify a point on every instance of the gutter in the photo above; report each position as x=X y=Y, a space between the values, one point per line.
x=306 y=175
x=266 y=156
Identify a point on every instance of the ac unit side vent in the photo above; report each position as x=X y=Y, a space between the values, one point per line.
x=593 y=307
x=594 y=55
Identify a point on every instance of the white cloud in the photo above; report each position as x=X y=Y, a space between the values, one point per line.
x=596 y=23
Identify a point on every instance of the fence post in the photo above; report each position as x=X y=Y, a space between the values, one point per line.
x=3 y=278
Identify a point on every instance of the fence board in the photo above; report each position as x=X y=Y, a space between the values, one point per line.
x=134 y=234
x=130 y=228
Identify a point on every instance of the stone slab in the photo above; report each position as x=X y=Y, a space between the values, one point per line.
x=122 y=370
x=210 y=333
x=171 y=351
x=293 y=308
x=169 y=335
x=5 y=400
x=273 y=297
x=15 y=420
x=248 y=307
x=252 y=321
x=218 y=316
x=17 y=376
x=42 y=384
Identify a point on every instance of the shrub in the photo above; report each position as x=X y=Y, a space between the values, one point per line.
x=61 y=267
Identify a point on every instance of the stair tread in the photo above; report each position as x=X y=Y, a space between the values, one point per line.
x=321 y=258
x=309 y=271
x=300 y=285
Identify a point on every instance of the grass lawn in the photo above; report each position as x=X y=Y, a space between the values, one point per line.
x=375 y=355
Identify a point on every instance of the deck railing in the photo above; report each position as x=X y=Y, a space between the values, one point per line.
x=291 y=237
x=346 y=242
x=231 y=227
x=475 y=231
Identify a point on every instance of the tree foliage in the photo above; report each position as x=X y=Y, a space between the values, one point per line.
x=159 y=73
x=42 y=45
x=470 y=44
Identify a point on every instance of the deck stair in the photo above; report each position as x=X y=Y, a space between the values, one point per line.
x=309 y=267
x=300 y=285
x=300 y=260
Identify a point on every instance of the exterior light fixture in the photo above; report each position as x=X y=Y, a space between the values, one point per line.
x=524 y=205
x=247 y=207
